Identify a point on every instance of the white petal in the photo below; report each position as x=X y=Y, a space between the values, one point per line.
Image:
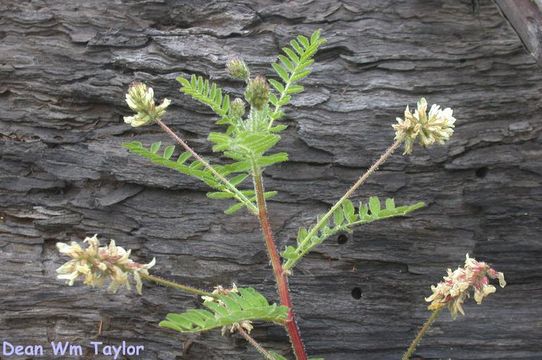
x=151 y=264
x=502 y=282
x=63 y=247
x=129 y=119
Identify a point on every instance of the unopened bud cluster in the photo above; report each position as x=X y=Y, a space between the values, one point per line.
x=95 y=264
x=238 y=108
x=238 y=69
x=427 y=129
x=457 y=285
x=257 y=92
x=140 y=99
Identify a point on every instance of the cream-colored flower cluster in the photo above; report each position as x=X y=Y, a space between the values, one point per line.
x=427 y=129
x=456 y=286
x=140 y=99
x=96 y=263
x=220 y=290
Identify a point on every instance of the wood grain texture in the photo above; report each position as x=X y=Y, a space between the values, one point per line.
x=64 y=68
x=525 y=16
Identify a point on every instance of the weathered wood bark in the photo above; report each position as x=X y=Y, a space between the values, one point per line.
x=525 y=16
x=64 y=67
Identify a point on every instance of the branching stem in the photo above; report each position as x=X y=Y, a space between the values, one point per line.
x=421 y=333
x=324 y=220
x=176 y=285
x=220 y=177
x=266 y=354
x=280 y=275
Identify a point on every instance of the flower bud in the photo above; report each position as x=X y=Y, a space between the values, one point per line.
x=257 y=92
x=140 y=99
x=238 y=108
x=238 y=69
x=427 y=129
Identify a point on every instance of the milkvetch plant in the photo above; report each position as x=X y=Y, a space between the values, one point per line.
x=250 y=129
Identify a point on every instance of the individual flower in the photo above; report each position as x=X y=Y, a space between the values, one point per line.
x=427 y=129
x=257 y=92
x=238 y=69
x=96 y=264
x=140 y=99
x=457 y=285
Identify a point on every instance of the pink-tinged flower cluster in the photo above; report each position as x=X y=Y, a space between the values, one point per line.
x=457 y=285
x=96 y=264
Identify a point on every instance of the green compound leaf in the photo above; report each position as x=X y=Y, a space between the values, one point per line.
x=344 y=219
x=292 y=67
x=193 y=169
x=248 y=149
x=244 y=144
x=232 y=308
x=207 y=93
x=196 y=170
x=262 y=161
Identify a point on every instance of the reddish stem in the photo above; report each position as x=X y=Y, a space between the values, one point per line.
x=280 y=275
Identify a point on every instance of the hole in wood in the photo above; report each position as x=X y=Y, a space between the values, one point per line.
x=342 y=239
x=356 y=293
x=481 y=172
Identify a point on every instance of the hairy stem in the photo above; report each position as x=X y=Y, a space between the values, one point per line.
x=324 y=220
x=421 y=333
x=280 y=275
x=175 y=285
x=220 y=177
x=266 y=354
